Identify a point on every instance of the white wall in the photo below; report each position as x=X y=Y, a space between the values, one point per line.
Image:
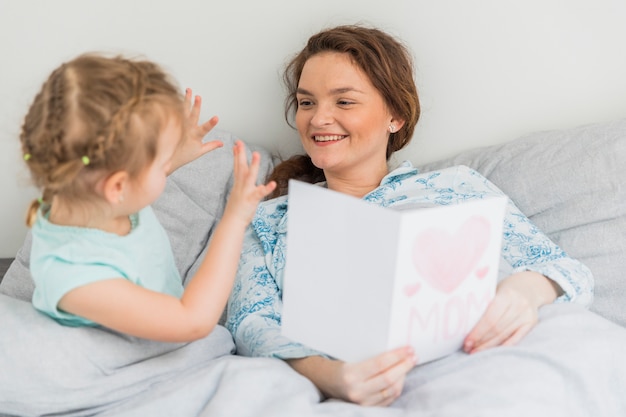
x=487 y=70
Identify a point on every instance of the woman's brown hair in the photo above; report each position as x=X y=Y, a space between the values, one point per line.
x=389 y=66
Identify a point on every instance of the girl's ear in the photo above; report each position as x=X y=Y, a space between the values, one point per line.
x=114 y=187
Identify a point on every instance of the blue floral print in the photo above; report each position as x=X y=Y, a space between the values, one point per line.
x=254 y=307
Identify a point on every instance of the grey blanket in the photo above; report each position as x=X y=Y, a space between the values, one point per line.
x=571 y=364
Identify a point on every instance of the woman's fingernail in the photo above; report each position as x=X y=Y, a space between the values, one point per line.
x=411 y=353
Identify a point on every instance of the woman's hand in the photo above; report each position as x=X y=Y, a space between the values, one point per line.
x=512 y=312
x=191 y=146
x=377 y=381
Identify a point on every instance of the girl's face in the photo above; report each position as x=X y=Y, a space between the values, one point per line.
x=151 y=183
x=342 y=119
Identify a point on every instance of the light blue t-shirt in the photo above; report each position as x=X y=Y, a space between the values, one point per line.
x=66 y=257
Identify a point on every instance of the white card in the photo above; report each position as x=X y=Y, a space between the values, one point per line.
x=361 y=279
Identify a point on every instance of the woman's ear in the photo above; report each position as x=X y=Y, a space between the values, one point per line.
x=114 y=187
x=395 y=124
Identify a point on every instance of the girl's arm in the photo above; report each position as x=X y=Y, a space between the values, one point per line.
x=129 y=308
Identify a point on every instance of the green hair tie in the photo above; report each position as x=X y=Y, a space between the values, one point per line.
x=85 y=160
x=27 y=156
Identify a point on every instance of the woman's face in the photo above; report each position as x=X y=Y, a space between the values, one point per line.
x=342 y=119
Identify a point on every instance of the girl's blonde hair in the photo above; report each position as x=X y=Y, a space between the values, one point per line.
x=95 y=115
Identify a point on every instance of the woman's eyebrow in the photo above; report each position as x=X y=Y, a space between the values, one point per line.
x=340 y=90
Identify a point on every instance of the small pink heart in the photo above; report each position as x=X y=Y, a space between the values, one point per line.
x=482 y=272
x=411 y=289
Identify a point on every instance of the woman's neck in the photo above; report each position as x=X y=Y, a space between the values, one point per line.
x=357 y=183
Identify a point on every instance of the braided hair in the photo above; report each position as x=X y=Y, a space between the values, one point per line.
x=93 y=116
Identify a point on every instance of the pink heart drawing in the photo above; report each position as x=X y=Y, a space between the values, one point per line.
x=482 y=272
x=444 y=260
x=411 y=289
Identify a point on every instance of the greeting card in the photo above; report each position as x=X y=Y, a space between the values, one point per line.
x=361 y=279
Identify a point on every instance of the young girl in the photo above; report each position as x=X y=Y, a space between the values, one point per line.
x=99 y=139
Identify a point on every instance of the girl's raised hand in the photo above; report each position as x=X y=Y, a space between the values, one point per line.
x=191 y=146
x=246 y=194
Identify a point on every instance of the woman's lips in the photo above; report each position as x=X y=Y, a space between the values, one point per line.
x=328 y=138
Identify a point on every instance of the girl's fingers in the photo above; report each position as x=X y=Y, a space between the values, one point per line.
x=253 y=171
x=188 y=95
x=248 y=172
x=192 y=112
x=194 y=116
x=211 y=146
x=246 y=175
x=268 y=188
x=207 y=126
x=237 y=160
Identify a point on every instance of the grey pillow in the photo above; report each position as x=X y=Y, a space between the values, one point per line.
x=570 y=183
x=189 y=208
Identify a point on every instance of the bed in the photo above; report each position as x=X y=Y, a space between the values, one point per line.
x=569 y=182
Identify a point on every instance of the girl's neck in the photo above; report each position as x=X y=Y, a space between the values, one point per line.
x=88 y=215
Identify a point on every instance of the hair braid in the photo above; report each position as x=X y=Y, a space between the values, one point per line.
x=107 y=111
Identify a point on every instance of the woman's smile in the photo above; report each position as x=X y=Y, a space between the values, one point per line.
x=328 y=138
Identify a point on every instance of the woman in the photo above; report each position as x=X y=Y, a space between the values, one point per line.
x=355 y=103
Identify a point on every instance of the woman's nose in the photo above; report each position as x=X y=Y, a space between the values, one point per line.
x=322 y=116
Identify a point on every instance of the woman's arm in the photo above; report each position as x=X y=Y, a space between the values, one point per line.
x=526 y=248
x=542 y=273
x=376 y=381
x=513 y=312
x=255 y=304
x=254 y=319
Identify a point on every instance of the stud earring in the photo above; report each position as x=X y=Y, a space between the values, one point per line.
x=120 y=199
x=392 y=129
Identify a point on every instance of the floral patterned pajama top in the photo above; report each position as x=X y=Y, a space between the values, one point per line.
x=255 y=304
